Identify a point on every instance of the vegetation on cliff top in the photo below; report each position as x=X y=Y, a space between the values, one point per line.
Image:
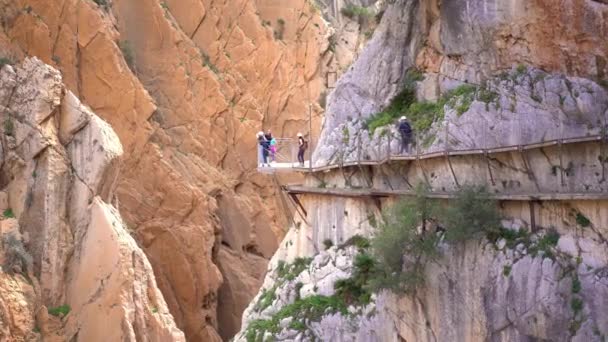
x=423 y=114
x=359 y=13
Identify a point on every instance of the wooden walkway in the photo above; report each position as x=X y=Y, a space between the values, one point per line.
x=439 y=154
x=361 y=192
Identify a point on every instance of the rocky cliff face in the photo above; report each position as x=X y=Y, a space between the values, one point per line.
x=452 y=42
x=475 y=292
x=540 y=63
x=59 y=170
x=185 y=85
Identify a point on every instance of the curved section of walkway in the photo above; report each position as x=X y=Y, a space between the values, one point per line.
x=289 y=166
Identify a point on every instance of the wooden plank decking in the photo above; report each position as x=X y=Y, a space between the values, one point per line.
x=294 y=167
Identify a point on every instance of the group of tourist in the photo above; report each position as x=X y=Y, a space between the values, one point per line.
x=267 y=144
x=267 y=148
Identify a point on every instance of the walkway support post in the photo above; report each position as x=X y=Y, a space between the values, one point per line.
x=529 y=171
x=426 y=180
x=310 y=136
x=532 y=216
x=487 y=157
x=561 y=158
x=388 y=147
x=447 y=155
x=561 y=166
x=603 y=154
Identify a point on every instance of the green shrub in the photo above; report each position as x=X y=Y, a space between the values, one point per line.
x=576 y=304
x=485 y=95
x=105 y=4
x=544 y=244
x=576 y=284
x=362 y=14
x=423 y=114
x=297 y=325
x=398 y=236
x=371 y=218
x=16 y=257
x=128 y=54
x=461 y=97
x=8 y=213
x=345 y=135
x=60 y=311
x=582 y=220
x=9 y=127
x=512 y=237
x=306 y=309
x=395 y=109
x=266 y=298
x=399 y=104
x=350 y=291
x=357 y=240
x=472 y=213
x=291 y=271
x=550 y=239
x=328 y=243
x=5 y=61
x=506 y=270
x=207 y=62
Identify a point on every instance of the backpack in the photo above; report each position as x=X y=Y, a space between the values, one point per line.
x=405 y=128
x=304 y=145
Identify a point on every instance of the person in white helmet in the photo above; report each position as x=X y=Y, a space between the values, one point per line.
x=405 y=130
x=302 y=146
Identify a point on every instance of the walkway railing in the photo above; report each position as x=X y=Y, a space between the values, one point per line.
x=281 y=156
x=386 y=147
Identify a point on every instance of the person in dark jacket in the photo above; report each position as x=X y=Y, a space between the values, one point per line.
x=405 y=129
x=264 y=147
x=302 y=146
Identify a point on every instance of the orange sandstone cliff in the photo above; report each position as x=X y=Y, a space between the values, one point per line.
x=185 y=85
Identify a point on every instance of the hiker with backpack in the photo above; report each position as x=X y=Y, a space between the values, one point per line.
x=302 y=146
x=405 y=130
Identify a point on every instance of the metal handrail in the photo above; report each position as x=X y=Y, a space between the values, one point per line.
x=446 y=152
x=471 y=151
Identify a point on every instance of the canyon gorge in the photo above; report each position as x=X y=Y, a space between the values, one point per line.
x=133 y=208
